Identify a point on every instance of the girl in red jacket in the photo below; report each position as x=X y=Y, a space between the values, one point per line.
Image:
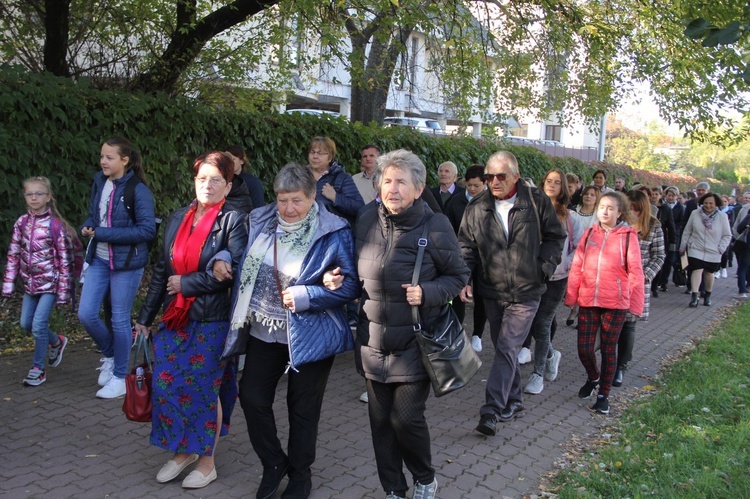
x=605 y=281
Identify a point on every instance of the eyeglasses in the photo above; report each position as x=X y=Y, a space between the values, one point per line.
x=212 y=181
x=490 y=177
x=34 y=194
x=318 y=153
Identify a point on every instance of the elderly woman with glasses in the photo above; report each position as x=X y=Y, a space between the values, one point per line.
x=286 y=321
x=194 y=388
x=336 y=189
x=387 y=354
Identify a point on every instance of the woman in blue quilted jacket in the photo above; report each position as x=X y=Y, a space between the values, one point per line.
x=335 y=188
x=286 y=321
x=116 y=255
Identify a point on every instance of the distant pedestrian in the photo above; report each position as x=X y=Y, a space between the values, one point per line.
x=252 y=182
x=606 y=281
x=42 y=253
x=120 y=230
x=706 y=238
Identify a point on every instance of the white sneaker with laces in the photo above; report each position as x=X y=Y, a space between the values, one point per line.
x=524 y=356
x=476 y=343
x=115 y=388
x=535 y=384
x=552 y=366
x=724 y=273
x=107 y=367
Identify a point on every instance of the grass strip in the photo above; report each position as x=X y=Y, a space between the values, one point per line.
x=689 y=438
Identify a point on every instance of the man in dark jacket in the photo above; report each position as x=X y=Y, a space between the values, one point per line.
x=448 y=188
x=513 y=232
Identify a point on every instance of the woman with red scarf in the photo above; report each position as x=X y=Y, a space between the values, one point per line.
x=194 y=390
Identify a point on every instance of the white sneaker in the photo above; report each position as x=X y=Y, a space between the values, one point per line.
x=107 y=367
x=717 y=275
x=115 y=388
x=476 y=343
x=524 y=356
x=535 y=384
x=552 y=365
x=364 y=398
x=724 y=273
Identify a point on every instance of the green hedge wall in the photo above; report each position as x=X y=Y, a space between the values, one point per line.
x=54 y=127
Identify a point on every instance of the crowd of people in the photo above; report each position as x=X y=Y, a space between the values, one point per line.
x=328 y=268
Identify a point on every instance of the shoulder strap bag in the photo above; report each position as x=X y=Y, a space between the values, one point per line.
x=445 y=349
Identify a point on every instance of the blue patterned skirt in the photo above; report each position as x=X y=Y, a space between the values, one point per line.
x=189 y=379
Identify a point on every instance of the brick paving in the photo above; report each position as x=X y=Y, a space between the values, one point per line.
x=58 y=440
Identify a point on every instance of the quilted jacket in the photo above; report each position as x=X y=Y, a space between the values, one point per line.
x=212 y=301
x=128 y=242
x=40 y=257
x=386 y=246
x=348 y=199
x=607 y=271
x=318 y=327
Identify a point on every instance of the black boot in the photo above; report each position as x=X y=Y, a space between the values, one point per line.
x=618 y=377
x=707 y=299
x=693 y=300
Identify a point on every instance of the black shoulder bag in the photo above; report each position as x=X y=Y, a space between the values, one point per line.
x=445 y=349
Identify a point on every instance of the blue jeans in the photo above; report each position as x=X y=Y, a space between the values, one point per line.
x=122 y=286
x=35 y=313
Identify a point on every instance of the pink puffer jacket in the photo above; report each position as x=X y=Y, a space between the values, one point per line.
x=607 y=271
x=43 y=259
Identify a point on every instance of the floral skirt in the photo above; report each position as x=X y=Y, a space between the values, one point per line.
x=189 y=379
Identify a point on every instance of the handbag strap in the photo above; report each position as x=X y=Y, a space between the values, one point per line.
x=421 y=245
x=141 y=344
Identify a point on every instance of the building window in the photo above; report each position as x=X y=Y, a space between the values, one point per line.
x=522 y=130
x=553 y=132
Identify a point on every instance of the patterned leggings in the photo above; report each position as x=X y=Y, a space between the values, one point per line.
x=590 y=320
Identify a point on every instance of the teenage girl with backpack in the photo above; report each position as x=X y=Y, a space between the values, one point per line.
x=116 y=256
x=41 y=251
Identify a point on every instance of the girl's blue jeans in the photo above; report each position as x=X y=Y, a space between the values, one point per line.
x=35 y=313
x=122 y=286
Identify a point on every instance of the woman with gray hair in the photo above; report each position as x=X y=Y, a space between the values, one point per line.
x=386 y=352
x=285 y=320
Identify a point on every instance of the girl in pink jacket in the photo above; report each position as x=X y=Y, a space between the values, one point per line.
x=42 y=254
x=606 y=281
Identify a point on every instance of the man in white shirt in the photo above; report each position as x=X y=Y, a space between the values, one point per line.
x=363 y=180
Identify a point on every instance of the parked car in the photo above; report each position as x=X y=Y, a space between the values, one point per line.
x=424 y=125
x=317 y=112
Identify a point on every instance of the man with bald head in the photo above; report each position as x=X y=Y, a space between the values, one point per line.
x=512 y=231
x=447 y=189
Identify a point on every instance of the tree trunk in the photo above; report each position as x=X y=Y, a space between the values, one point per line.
x=189 y=38
x=371 y=80
x=56 y=27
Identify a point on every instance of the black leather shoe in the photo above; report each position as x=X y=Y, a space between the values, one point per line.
x=271 y=480
x=655 y=293
x=486 y=425
x=297 y=489
x=514 y=409
x=618 y=378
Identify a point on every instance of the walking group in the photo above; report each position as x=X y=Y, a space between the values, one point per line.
x=279 y=289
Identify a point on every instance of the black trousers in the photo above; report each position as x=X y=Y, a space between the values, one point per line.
x=264 y=365
x=399 y=433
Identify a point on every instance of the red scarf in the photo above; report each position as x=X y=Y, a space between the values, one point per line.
x=185 y=257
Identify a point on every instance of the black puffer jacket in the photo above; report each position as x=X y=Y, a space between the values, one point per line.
x=212 y=297
x=514 y=268
x=386 y=247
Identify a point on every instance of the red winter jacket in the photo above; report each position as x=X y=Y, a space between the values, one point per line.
x=607 y=270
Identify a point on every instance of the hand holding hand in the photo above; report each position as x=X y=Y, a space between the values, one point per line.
x=87 y=232
x=222 y=270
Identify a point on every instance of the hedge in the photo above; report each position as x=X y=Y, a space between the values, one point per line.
x=54 y=127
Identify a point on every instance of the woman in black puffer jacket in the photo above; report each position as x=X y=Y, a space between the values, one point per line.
x=386 y=351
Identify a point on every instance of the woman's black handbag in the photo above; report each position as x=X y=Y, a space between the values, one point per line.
x=446 y=351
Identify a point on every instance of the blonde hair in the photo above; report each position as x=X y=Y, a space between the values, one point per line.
x=51 y=204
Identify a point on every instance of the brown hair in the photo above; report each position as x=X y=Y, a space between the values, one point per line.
x=221 y=161
x=643 y=222
x=562 y=200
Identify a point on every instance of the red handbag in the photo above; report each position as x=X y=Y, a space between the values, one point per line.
x=137 y=403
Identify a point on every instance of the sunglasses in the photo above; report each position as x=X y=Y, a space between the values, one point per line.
x=489 y=177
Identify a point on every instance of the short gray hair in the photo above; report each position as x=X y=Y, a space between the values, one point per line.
x=294 y=177
x=703 y=185
x=503 y=158
x=673 y=190
x=404 y=160
x=453 y=166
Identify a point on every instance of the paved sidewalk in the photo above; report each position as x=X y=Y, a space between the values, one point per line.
x=58 y=440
